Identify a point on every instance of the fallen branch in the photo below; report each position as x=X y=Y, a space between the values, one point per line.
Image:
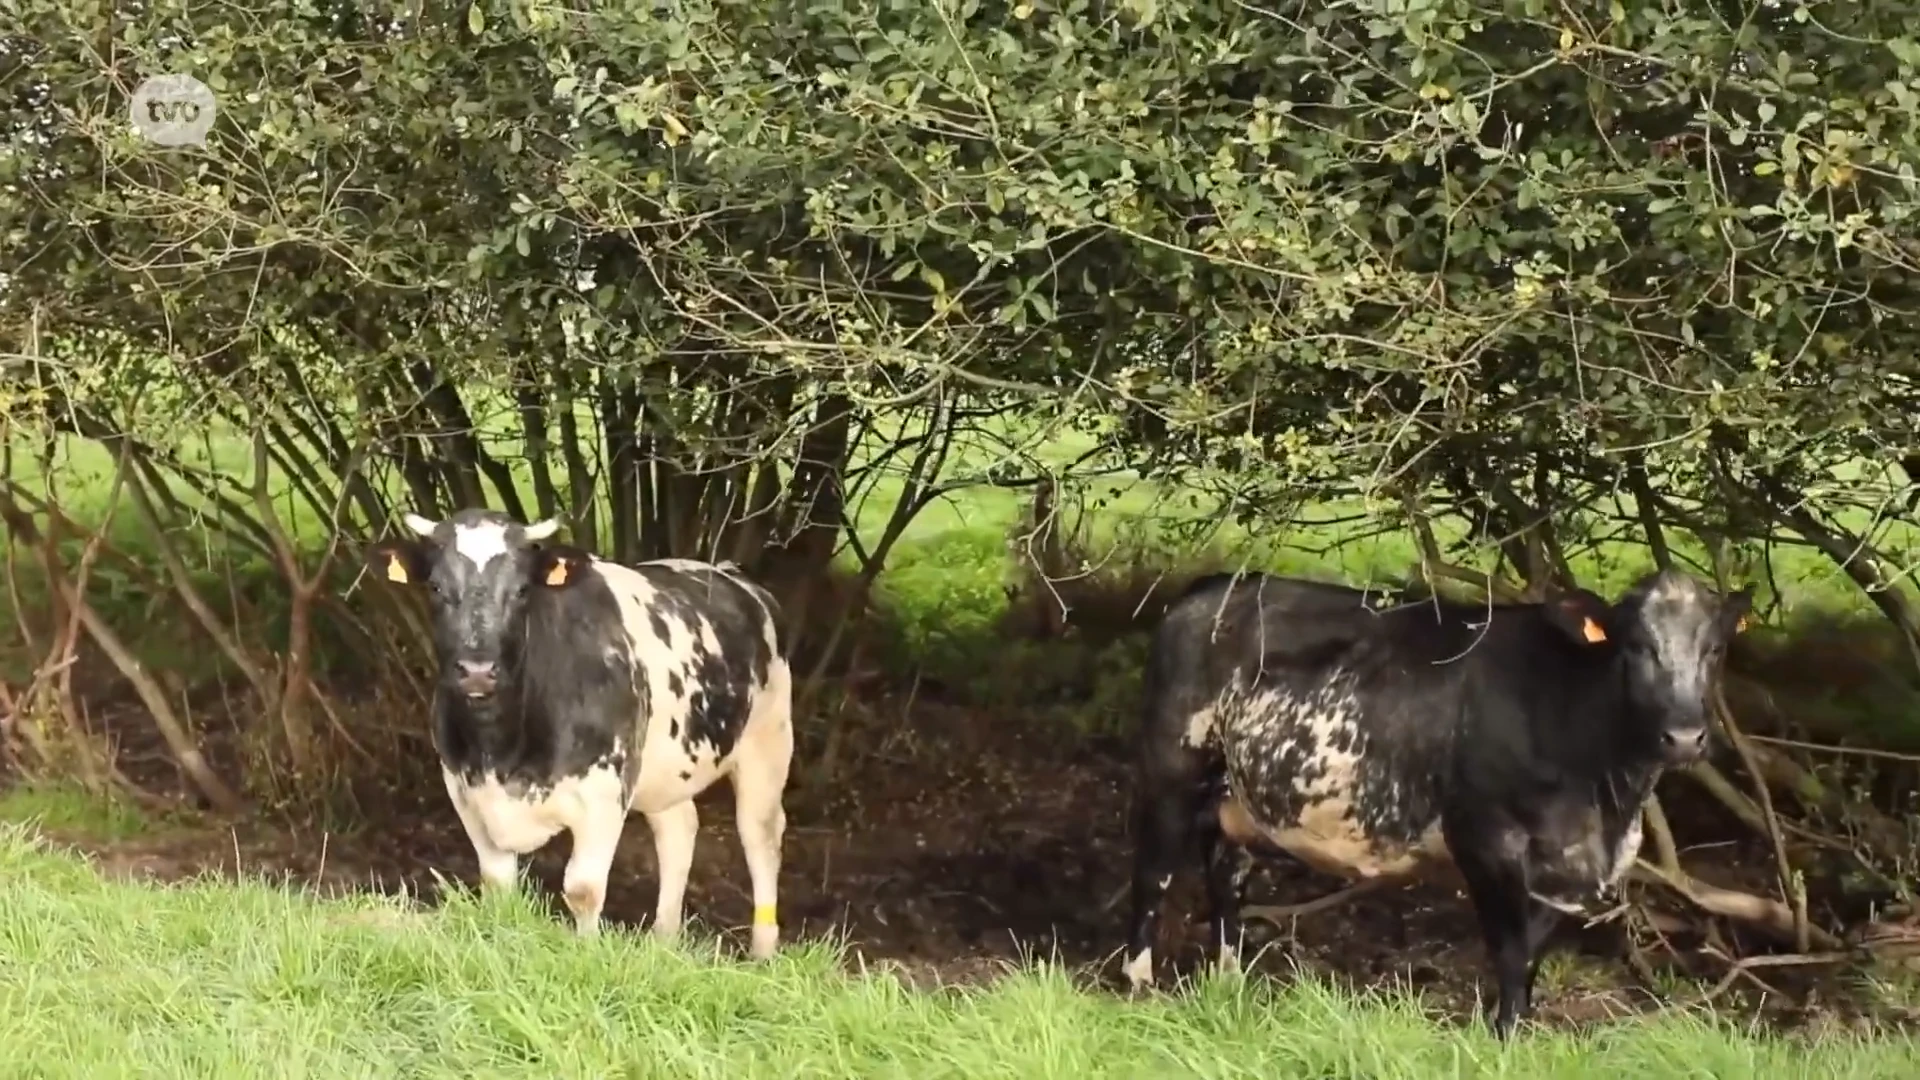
x=1770 y=916
x=1279 y=914
x=1766 y=915
x=1745 y=967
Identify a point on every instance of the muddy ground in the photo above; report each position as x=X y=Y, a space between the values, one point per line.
x=958 y=846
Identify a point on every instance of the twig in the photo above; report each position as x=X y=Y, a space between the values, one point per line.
x=1636 y=958
x=186 y=750
x=1792 y=889
x=1668 y=854
x=1822 y=748
x=1745 y=967
x=1279 y=914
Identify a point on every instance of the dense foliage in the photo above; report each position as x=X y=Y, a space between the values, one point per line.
x=1323 y=245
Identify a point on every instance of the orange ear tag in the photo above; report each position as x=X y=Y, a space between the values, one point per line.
x=1592 y=632
x=396 y=569
x=558 y=575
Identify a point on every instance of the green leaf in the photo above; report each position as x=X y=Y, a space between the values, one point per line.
x=476 y=19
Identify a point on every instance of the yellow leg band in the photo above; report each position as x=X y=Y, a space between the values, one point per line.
x=763 y=915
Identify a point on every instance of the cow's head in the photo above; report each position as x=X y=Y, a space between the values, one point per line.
x=480 y=569
x=1668 y=634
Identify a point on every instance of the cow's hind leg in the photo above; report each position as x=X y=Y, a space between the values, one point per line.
x=675 y=830
x=759 y=782
x=1227 y=866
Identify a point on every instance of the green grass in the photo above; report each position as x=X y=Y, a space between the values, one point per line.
x=71 y=811
x=103 y=979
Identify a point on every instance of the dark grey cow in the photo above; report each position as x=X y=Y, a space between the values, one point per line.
x=1514 y=743
x=574 y=691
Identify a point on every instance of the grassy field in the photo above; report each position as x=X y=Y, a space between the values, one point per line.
x=103 y=979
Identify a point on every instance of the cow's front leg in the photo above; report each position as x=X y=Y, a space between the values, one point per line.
x=499 y=868
x=1162 y=834
x=595 y=841
x=1498 y=886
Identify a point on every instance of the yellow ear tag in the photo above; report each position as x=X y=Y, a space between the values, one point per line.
x=1741 y=626
x=558 y=575
x=396 y=569
x=1592 y=632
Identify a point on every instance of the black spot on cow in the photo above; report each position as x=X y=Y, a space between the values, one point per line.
x=724 y=649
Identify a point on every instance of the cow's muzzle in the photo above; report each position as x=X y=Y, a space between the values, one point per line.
x=476 y=679
x=1684 y=745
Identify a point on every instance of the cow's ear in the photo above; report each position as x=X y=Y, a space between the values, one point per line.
x=401 y=561
x=1580 y=615
x=1736 y=611
x=557 y=565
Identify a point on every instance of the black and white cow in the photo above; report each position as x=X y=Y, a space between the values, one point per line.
x=573 y=691
x=1510 y=748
